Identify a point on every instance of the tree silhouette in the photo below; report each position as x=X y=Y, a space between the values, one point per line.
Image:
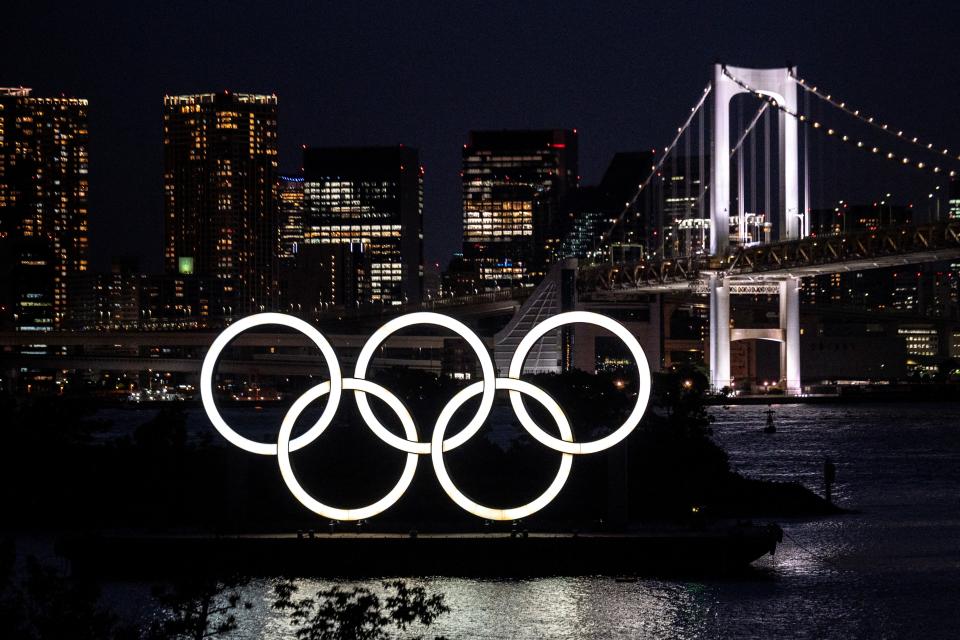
x=358 y=613
x=48 y=604
x=198 y=608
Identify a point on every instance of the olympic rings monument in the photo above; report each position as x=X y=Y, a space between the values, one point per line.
x=439 y=443
x=373 y=554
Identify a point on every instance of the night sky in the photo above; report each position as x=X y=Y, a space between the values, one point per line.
x=423 y=74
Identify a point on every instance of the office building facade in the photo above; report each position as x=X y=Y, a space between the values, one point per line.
x=515 y=190
x=106 y=301
x=290 y=212
x=368 y=200
x=593 y=210
x=682 y=223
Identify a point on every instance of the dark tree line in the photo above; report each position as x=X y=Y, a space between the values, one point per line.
x=43 y=602
x=157 y=479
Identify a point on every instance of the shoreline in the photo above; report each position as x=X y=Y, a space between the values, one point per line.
x=699 y=551
x=870 y=397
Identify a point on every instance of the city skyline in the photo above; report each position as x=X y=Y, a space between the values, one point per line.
x=232 y=219
x=948 y=198
x=619 y=97
x=347 y=230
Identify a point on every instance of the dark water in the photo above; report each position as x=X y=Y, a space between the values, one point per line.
x=890 y=571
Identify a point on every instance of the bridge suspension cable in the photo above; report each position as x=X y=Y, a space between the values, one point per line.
x=659 y=164
x=749 y=129
x=872 y=121
x=701 y=176
x=704 y=185
x=830 y=132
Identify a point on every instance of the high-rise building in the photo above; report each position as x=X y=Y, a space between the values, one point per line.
x=220 y=162
x=371 y=197
x=179 y=301
x=922 y=346
x=30 y=275
x=432 y=281
x=106 y=301
x=849 y=218
x=43 y=203
x=324 y=276
x=290 y=204
x=954 y=199
x=877 y=289
x=680 y=221
x=589 y=216
x=515 y=187
x=593 y=210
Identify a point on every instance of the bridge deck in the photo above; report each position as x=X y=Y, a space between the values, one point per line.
x=812 y=256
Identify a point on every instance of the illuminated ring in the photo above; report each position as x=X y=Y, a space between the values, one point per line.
x=643 y=396
x=451 y=489
x=210 y=364
x=486 y=366
x=284 y=446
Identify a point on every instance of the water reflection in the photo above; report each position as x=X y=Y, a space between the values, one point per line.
x=889 y=570
x=548 y=607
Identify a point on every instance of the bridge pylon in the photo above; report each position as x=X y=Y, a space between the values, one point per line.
x=719 y=289
x=780 y=85
x=790 y=326
x=719 y=292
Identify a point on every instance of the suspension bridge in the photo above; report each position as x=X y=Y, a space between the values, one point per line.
x=734 y=217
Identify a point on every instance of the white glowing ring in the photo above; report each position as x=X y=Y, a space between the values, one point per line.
x=486 y=367
x=451 y=489
x=210 y=364
x=643 y=395
x=411 y=444
x=284 y=446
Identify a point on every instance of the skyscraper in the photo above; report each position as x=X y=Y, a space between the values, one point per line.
x=106 y=301
x=875 y=289
x=290 y=209
x=593 y=210
x=954 y=199
x=43 y=205
x=220 y=162
x=371 y=197
x=515 y=186
x=680 y=210
x=30 y=280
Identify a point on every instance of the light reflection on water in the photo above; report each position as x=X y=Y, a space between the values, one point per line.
x=892 y=570
x=537 y=608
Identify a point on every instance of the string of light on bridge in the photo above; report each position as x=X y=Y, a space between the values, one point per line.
x=659 y=164
x=872 y=121
x=843 y=138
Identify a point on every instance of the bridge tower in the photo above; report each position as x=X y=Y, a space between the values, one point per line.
x=780 y=85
